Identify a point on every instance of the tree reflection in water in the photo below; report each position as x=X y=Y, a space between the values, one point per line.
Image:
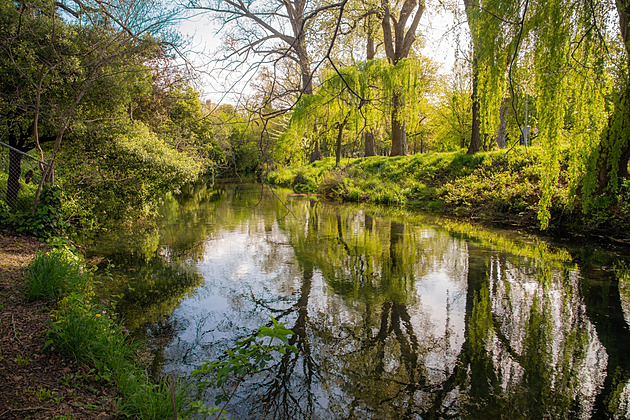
x=395 y=316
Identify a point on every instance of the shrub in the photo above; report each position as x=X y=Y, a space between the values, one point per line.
x=54 y=273
x=45 y=222
x=304 y=183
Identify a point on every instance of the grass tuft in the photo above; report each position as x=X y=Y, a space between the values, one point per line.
x=54 y=273
x=90 y=333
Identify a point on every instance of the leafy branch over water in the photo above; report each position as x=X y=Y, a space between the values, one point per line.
x=250 y=355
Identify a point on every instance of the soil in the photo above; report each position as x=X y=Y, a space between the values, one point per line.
x=36 y=383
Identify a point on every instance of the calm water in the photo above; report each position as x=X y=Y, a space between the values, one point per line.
x=396 y=315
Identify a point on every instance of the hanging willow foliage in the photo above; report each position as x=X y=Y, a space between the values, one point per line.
x=561 y=42
x=362 y=95
x=551 y=28
x=571 y=87
x=589 y=86
x=494 y=39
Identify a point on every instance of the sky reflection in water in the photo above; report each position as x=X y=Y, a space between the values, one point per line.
x=396 y=315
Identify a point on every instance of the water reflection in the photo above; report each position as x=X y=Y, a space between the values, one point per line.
x=395 y=315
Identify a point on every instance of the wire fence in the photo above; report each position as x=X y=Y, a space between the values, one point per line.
x=20 y=176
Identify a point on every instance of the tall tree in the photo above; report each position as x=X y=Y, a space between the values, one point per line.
x=266 y=33
x=492 y=24
x=56 y=53
x=472 y=7
x=399 y=34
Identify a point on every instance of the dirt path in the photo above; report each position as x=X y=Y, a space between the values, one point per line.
x=35 y=383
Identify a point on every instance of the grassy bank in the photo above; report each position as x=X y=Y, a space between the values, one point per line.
x=499 y=186
x=36 y=382
x=86 y=331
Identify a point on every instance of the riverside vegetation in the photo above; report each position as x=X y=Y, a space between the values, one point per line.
x=106 y=105
x=498 y=186
x=87 y=330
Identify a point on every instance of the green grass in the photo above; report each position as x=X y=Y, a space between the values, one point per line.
x=53 y=274
x=89 y=332
x=485 y=185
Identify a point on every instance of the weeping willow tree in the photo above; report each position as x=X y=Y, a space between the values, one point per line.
x=573 y=84
x=400 y=22
x=359 y=98
x=554 y=53
x=492 y=30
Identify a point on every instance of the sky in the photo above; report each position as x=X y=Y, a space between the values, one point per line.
x=436 y=26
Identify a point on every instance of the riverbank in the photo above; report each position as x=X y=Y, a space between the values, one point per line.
x=63 y=354
x=35 y=382
x=499 y=187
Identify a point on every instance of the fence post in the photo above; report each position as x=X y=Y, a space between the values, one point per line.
x=21 y=169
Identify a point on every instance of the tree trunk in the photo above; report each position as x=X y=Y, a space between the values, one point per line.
x=339 y=139
x=500 y=139
x=398 y=42
x=475 y=138
x=15 y=171
x=368 y=137
x=370 y=48
x=614 y=148
x=307 y=89
x=399 y=133
x=316 y=154
x=305 y=69
x=369 y=143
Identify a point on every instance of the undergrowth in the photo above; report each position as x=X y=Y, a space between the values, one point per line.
x=490 y=185
x=89 y=332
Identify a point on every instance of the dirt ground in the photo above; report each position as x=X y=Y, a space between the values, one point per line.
x=35 y=383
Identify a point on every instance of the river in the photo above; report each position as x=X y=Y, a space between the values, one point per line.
x=395 y=314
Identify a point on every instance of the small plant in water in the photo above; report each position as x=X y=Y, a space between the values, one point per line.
x=250 y=355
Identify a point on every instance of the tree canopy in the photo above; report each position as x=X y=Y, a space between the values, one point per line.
x=101 y=82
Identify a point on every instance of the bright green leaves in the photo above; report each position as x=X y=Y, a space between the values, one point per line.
x=363 y=96
x=571 y=87
x=549 y=62
x=552 y=57
x=493 y=45
x=250 y=355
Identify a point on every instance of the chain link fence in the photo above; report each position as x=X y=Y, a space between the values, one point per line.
x=20 y=176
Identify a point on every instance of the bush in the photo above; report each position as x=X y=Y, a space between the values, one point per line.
x=304 y=183
x=55 y=273
x=47 y=220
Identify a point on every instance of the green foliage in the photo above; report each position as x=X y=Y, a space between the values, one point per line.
x=49 y=218
x=54 y=273
x=609 y=212
x=131 y=127
x=362 y=96
x=118 y=172
x=554 y=61
x=450 y=119
x=488 y=185
x=250 y=355
x=89 y=332
x=302 y=179
x=494 y=41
